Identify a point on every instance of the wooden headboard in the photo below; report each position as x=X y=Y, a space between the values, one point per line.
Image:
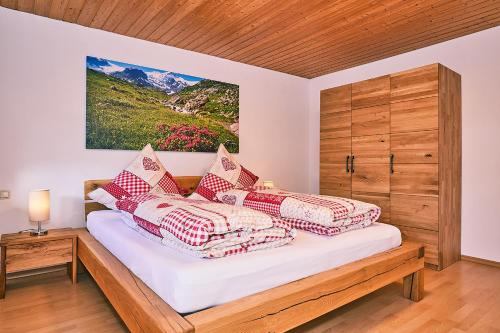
x=187 y=182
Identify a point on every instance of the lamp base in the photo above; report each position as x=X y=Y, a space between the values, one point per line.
x=39 y=231
x=36 y=232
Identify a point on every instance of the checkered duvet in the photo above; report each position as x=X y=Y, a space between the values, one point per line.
x=320 y=214
x=203 y=228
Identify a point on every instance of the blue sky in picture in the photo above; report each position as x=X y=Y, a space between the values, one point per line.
x=110 y=66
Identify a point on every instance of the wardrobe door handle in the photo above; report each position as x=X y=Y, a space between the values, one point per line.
x=391 y=163
x=347 y=164
x=352 y=164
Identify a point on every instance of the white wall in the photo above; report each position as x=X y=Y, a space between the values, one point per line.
x=42 y=115
x=477 y=58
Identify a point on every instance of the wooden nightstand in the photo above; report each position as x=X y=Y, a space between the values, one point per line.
x=21 y=252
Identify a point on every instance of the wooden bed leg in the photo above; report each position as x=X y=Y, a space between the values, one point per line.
x=413 y=286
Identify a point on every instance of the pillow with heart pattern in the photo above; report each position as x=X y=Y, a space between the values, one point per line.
x=226 y=173
x=144 y=174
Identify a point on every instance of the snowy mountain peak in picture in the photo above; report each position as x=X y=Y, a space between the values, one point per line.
x=168 y=82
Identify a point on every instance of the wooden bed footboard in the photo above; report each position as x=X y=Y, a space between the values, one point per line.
x=288 y=306
x=274 y=310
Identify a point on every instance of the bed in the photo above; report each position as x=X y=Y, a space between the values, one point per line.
x=279 y=289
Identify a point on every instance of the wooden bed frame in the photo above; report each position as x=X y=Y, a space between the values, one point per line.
x=275 y=310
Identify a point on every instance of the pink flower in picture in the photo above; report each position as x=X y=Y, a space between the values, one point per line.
x=186 y=138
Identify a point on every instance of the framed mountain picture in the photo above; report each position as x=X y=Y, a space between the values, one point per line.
x=129 y=106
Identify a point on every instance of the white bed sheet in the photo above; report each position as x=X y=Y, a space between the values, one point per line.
x=190 y=284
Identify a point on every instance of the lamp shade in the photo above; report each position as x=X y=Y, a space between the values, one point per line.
x=39 y=205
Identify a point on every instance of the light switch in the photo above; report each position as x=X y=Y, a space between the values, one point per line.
x=4 y=194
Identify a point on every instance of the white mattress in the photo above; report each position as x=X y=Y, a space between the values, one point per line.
x=190 y=284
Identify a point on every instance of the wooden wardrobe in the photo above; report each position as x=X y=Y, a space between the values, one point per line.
x=395 y=141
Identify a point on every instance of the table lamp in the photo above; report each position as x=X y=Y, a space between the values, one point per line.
x=39 y=210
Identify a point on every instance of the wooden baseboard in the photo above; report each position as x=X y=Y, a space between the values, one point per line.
x=481 y=261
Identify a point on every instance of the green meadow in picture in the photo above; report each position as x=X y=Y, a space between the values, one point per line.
x=129 y=106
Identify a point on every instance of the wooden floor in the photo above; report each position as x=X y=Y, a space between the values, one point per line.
x=50 y=303
x=463 y=298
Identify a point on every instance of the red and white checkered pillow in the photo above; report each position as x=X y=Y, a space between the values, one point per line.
x=144 y=174
x=226 y=173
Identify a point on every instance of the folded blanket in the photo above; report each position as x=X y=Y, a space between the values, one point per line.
x=203 y=228
x=326 y=231
x=316 y=213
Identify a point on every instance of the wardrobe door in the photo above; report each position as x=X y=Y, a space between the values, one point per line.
x=335 y=141
x=414 y=118
x=371 y=142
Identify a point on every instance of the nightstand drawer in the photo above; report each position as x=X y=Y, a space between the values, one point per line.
x=36 y=255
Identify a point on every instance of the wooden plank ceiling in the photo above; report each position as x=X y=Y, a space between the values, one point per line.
x=307 y=38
